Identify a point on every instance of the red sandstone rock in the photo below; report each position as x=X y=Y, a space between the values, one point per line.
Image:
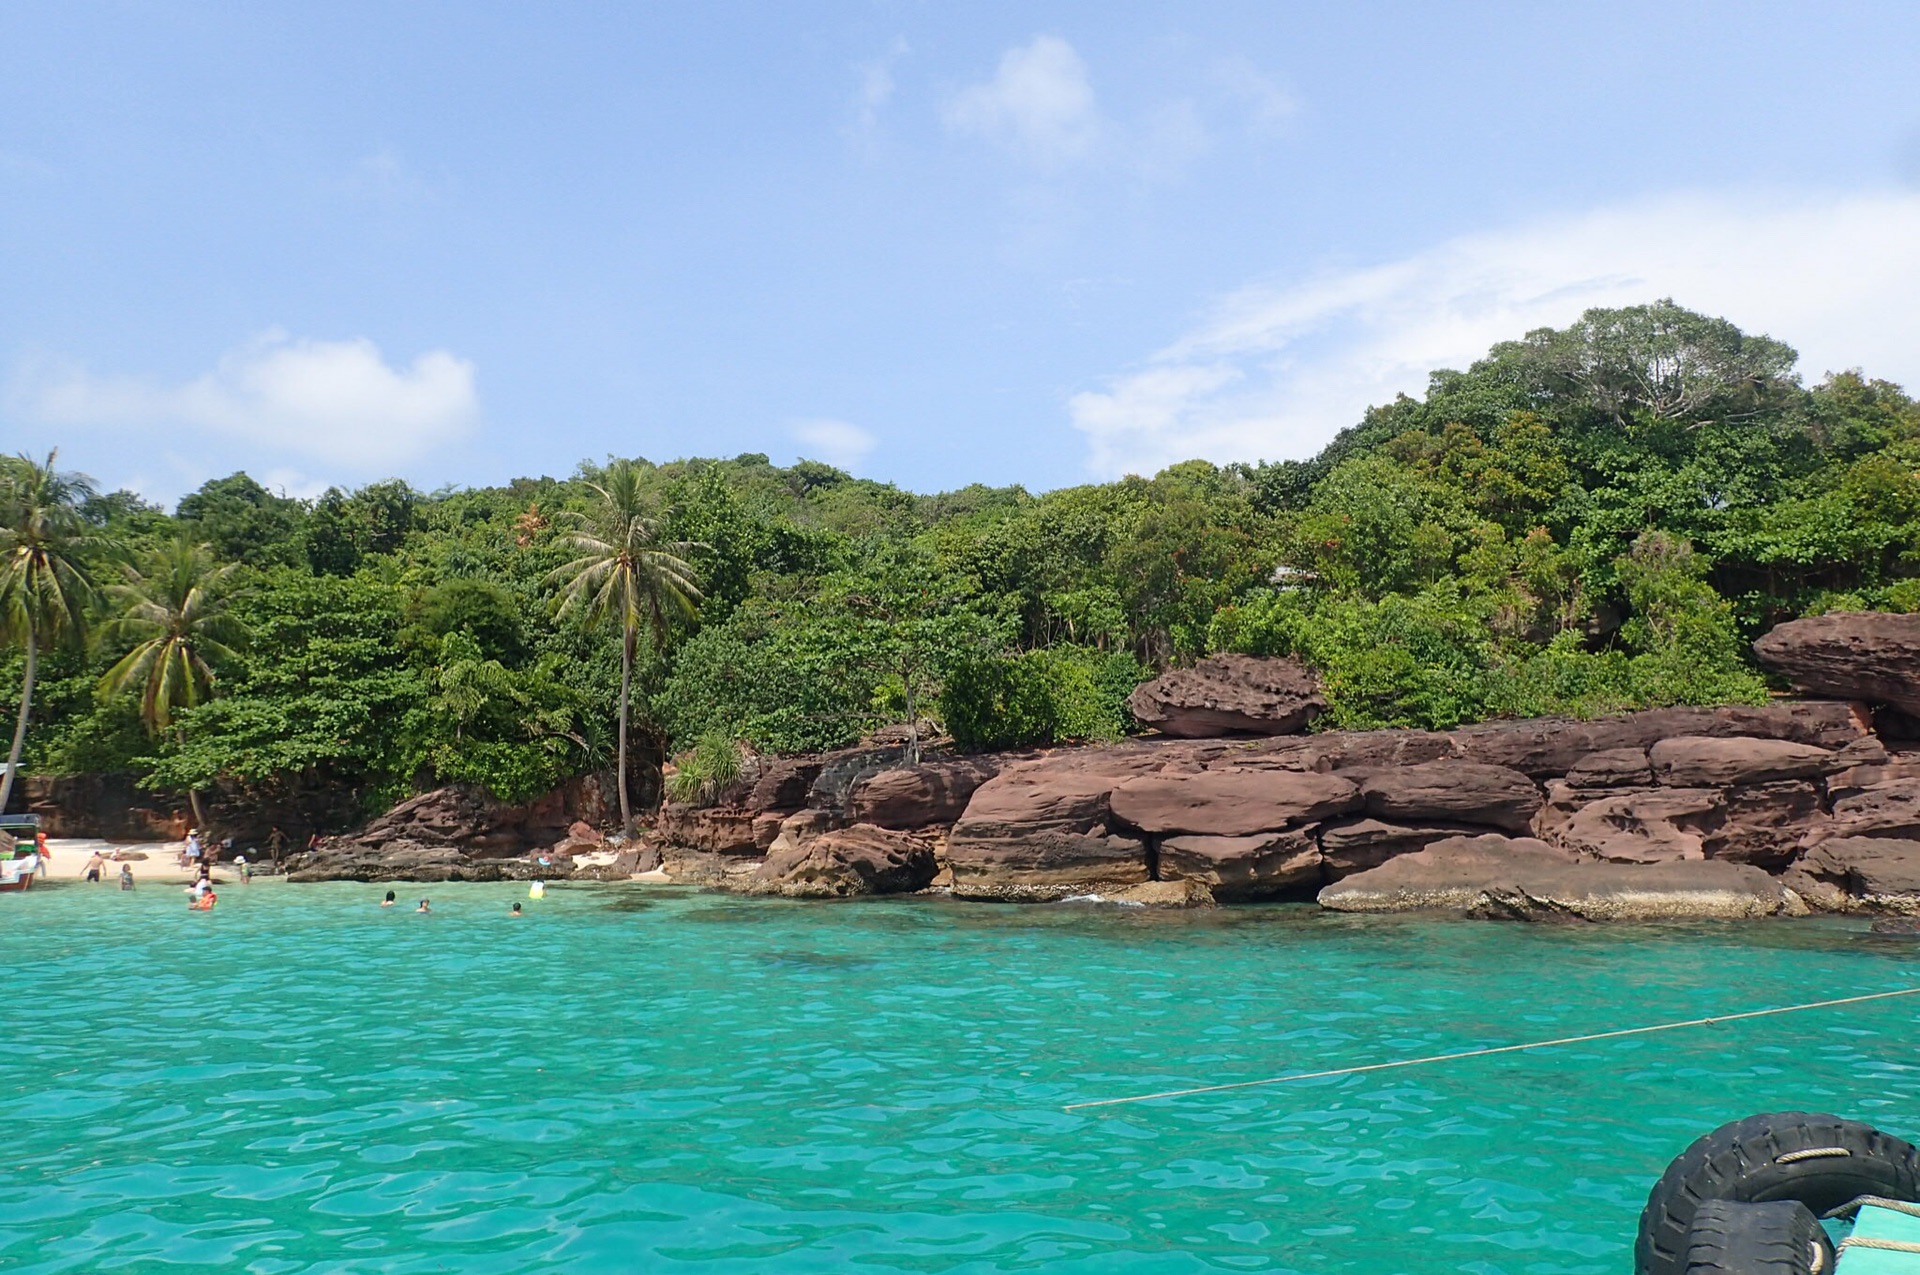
x=1230 y=803
x=1348 y=846
x=714 y=830
x=1548 y=746
x=1651 y=826
x=1465 y=792
x=1766 y=824
x=851 y=861
x=1612 y=768
x=1039 y=831
x=1523 y=879
x=920 y=796
x=1854 y=654
x=1875 y=872
x=1890 y=809
x=1230 y=695
x=1243 y=867
x=1692 y=761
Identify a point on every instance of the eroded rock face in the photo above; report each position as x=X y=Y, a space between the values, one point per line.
x=1230 y=803
x=1657 y=825
x=1464 y=792
x=712 y=829
x=1523 y=879
x=846 y=862
x=1257 y=867
x=1612 y=768
x=1890 y=809
x=1881 y=873
x=1549 y=746
x=1348 y=846
x=1867 y=655
x=1694 y=761
x=1766 y=824
x=1230 y=695
x=1039 y=831
x=920 y=796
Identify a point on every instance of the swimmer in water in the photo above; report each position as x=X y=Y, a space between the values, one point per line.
x=423 y=907
x=388 y=901
x=516 y=911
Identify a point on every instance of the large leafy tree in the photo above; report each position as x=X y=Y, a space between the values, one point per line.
x=624 y=572
x=44 y=585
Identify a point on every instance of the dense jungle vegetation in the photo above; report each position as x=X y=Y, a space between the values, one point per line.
x=1583 y=521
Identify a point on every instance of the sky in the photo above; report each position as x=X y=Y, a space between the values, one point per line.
x=935 y=244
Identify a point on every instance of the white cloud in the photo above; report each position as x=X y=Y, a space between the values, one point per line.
x=1039 y=104
x=1276 y=370
x=838 y=443
x=1265 y=104
x=877 y=86
x=333 y=401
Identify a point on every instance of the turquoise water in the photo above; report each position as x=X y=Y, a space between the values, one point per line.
x=662 y=1081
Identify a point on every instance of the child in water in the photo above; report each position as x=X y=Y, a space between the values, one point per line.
x=423 y=907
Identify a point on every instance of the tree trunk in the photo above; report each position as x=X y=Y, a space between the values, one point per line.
x=199 y=815
x=20 y=727
x=626 y=687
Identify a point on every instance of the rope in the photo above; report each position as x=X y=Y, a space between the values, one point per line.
x=1853 y=1206
x=1499 y=1049
x=1893 y=1246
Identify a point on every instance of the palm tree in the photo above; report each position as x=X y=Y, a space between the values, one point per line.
x=44 y=587
x=625 y=572
x=174 y=613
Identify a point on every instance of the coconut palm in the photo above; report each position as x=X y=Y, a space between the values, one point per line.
x=173 y=612
x=44 y=584
x=624 y=572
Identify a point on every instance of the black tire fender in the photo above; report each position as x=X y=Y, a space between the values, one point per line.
x=1780 y=1237
x=1821 y=1161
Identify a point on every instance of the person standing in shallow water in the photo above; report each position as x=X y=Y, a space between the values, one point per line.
x=126 y=876
x=97 y=862
x=389 y=900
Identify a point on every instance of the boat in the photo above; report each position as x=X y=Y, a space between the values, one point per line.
x=1788 y=1193
x=19 y=861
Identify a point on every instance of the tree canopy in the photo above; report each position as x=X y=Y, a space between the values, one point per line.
x=1585 y=520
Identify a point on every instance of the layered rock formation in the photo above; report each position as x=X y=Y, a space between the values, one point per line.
x=1867 y=655
x=1230 y=695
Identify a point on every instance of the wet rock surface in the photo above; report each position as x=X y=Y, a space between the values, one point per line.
x=848 y=862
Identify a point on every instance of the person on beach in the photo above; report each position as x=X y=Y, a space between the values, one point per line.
x=46 y=855
x=276 y=845
x=389 y=900
x=94 y=865
x=423 y=907
x=516 y=911
x=126 y=876
x=246 y=869
x=192 y=854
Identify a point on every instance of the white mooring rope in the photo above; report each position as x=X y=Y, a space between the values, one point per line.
x=1499 y=1049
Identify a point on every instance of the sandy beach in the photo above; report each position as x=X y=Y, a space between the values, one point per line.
x=161 y=865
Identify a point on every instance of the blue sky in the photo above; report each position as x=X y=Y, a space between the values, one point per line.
x=1034 y=243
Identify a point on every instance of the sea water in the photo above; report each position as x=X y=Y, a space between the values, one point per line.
x=635 y=1079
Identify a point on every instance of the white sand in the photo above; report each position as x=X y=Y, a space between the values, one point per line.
x=162 y=863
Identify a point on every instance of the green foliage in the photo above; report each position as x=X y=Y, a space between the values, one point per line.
x=706 y=770
x=1586 y=520
x=1039 y=697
